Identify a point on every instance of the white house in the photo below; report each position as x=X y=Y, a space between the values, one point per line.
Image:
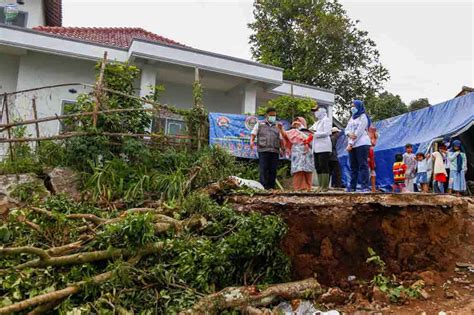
x=36 y=50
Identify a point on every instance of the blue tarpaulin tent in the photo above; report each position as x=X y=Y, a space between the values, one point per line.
x=419 y=128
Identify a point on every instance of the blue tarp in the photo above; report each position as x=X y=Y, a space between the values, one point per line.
x=419 y=128
x=232 y=132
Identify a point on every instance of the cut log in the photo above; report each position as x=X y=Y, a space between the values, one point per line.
x=243 y=297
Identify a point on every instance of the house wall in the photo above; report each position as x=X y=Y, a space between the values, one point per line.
x=37 y=70
x=8 y=72
x=34 y=9
x=181 y=96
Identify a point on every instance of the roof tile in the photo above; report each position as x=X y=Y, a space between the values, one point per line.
x=120 y=37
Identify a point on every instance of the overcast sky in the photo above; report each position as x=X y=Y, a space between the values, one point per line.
x=427 y=46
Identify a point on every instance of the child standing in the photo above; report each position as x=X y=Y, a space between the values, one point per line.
x=371 y=161
x=410 y=161
x=423 y=166
x=399 y=170
x=439 y=170
x=457 y=180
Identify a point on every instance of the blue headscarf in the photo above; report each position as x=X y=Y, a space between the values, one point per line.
x=457 y=143
x=361 y=110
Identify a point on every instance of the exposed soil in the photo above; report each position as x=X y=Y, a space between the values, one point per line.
x=328 y=235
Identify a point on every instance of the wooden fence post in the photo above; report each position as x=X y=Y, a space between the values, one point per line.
x=35 y=115
x=7 y=119
x=98 y=90
x=197 y=80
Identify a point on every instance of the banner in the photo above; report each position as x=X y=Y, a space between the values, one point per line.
x=232 y=133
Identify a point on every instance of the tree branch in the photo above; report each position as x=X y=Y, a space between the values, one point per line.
x=242 y=297
x=42 y=254
x=60 y=294
x=86 y=257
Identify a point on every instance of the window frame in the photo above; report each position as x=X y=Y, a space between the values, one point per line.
x=2 y=16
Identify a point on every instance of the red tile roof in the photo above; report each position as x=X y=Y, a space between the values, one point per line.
x=120 y=37
x=53 y=13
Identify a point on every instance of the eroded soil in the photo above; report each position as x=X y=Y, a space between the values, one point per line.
x=328 y=236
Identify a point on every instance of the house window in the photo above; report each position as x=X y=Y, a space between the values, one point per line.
x=68 y=125
x=20 y=20
x=172 y=126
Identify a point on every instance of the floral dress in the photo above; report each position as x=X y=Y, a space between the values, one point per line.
x=301 y=158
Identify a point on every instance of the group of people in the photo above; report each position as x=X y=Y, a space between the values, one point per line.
x=314 y=149
x=445 y=169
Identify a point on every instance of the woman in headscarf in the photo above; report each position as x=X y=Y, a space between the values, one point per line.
x=322 y=146
x=358 y=147
x=298 y=140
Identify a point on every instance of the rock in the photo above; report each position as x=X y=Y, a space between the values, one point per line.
x=334 y=296
x=425 y=295
x=8 y=183
x=326 y=249
x=379 y=296
x=430 y=277
x=448 y=294
x=65 y=181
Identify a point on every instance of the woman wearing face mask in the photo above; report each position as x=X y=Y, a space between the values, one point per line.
x=298 y=142
x=322 y=146
x=358 y=147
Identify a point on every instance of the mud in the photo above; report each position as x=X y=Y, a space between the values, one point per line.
x=328 y=234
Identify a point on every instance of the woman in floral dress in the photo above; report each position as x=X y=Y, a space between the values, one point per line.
x=298 y=140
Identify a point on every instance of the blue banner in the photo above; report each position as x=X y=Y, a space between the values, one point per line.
x=232 y=133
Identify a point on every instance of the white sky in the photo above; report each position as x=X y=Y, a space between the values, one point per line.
x=428 y=46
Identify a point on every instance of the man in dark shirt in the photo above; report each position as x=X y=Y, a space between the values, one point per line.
x=268 y=135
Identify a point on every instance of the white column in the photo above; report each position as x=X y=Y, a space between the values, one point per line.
x=147 y=84
x=249 y=99
x=147 y=80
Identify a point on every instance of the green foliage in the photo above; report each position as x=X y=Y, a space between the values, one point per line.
x=80 y=150
x=317 y=43
x=389 y=285
x=29 y=191
x=20 y=157
x=418 y=104
x=136 y=230
x=289 y=107
x=234 y=248
x=384 y=106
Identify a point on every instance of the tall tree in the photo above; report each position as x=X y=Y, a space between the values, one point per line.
x=316 y=43
x=418 y=104
x=385 y=105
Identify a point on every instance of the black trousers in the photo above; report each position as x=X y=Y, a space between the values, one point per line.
x=335 y=173
x=321 y=162
x=267 y=164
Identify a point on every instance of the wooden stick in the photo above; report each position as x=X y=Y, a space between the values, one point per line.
x=98 y=90
x=5 y=105
x=35 y=115
x=110 y=134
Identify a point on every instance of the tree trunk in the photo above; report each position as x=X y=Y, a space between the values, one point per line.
x=242 y=297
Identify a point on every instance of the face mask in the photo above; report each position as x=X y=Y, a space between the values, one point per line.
x=319 y=115
x=354 y=110
x=272 y=119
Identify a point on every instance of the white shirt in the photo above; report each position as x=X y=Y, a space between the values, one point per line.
x=321 y=138
x=359 y=127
